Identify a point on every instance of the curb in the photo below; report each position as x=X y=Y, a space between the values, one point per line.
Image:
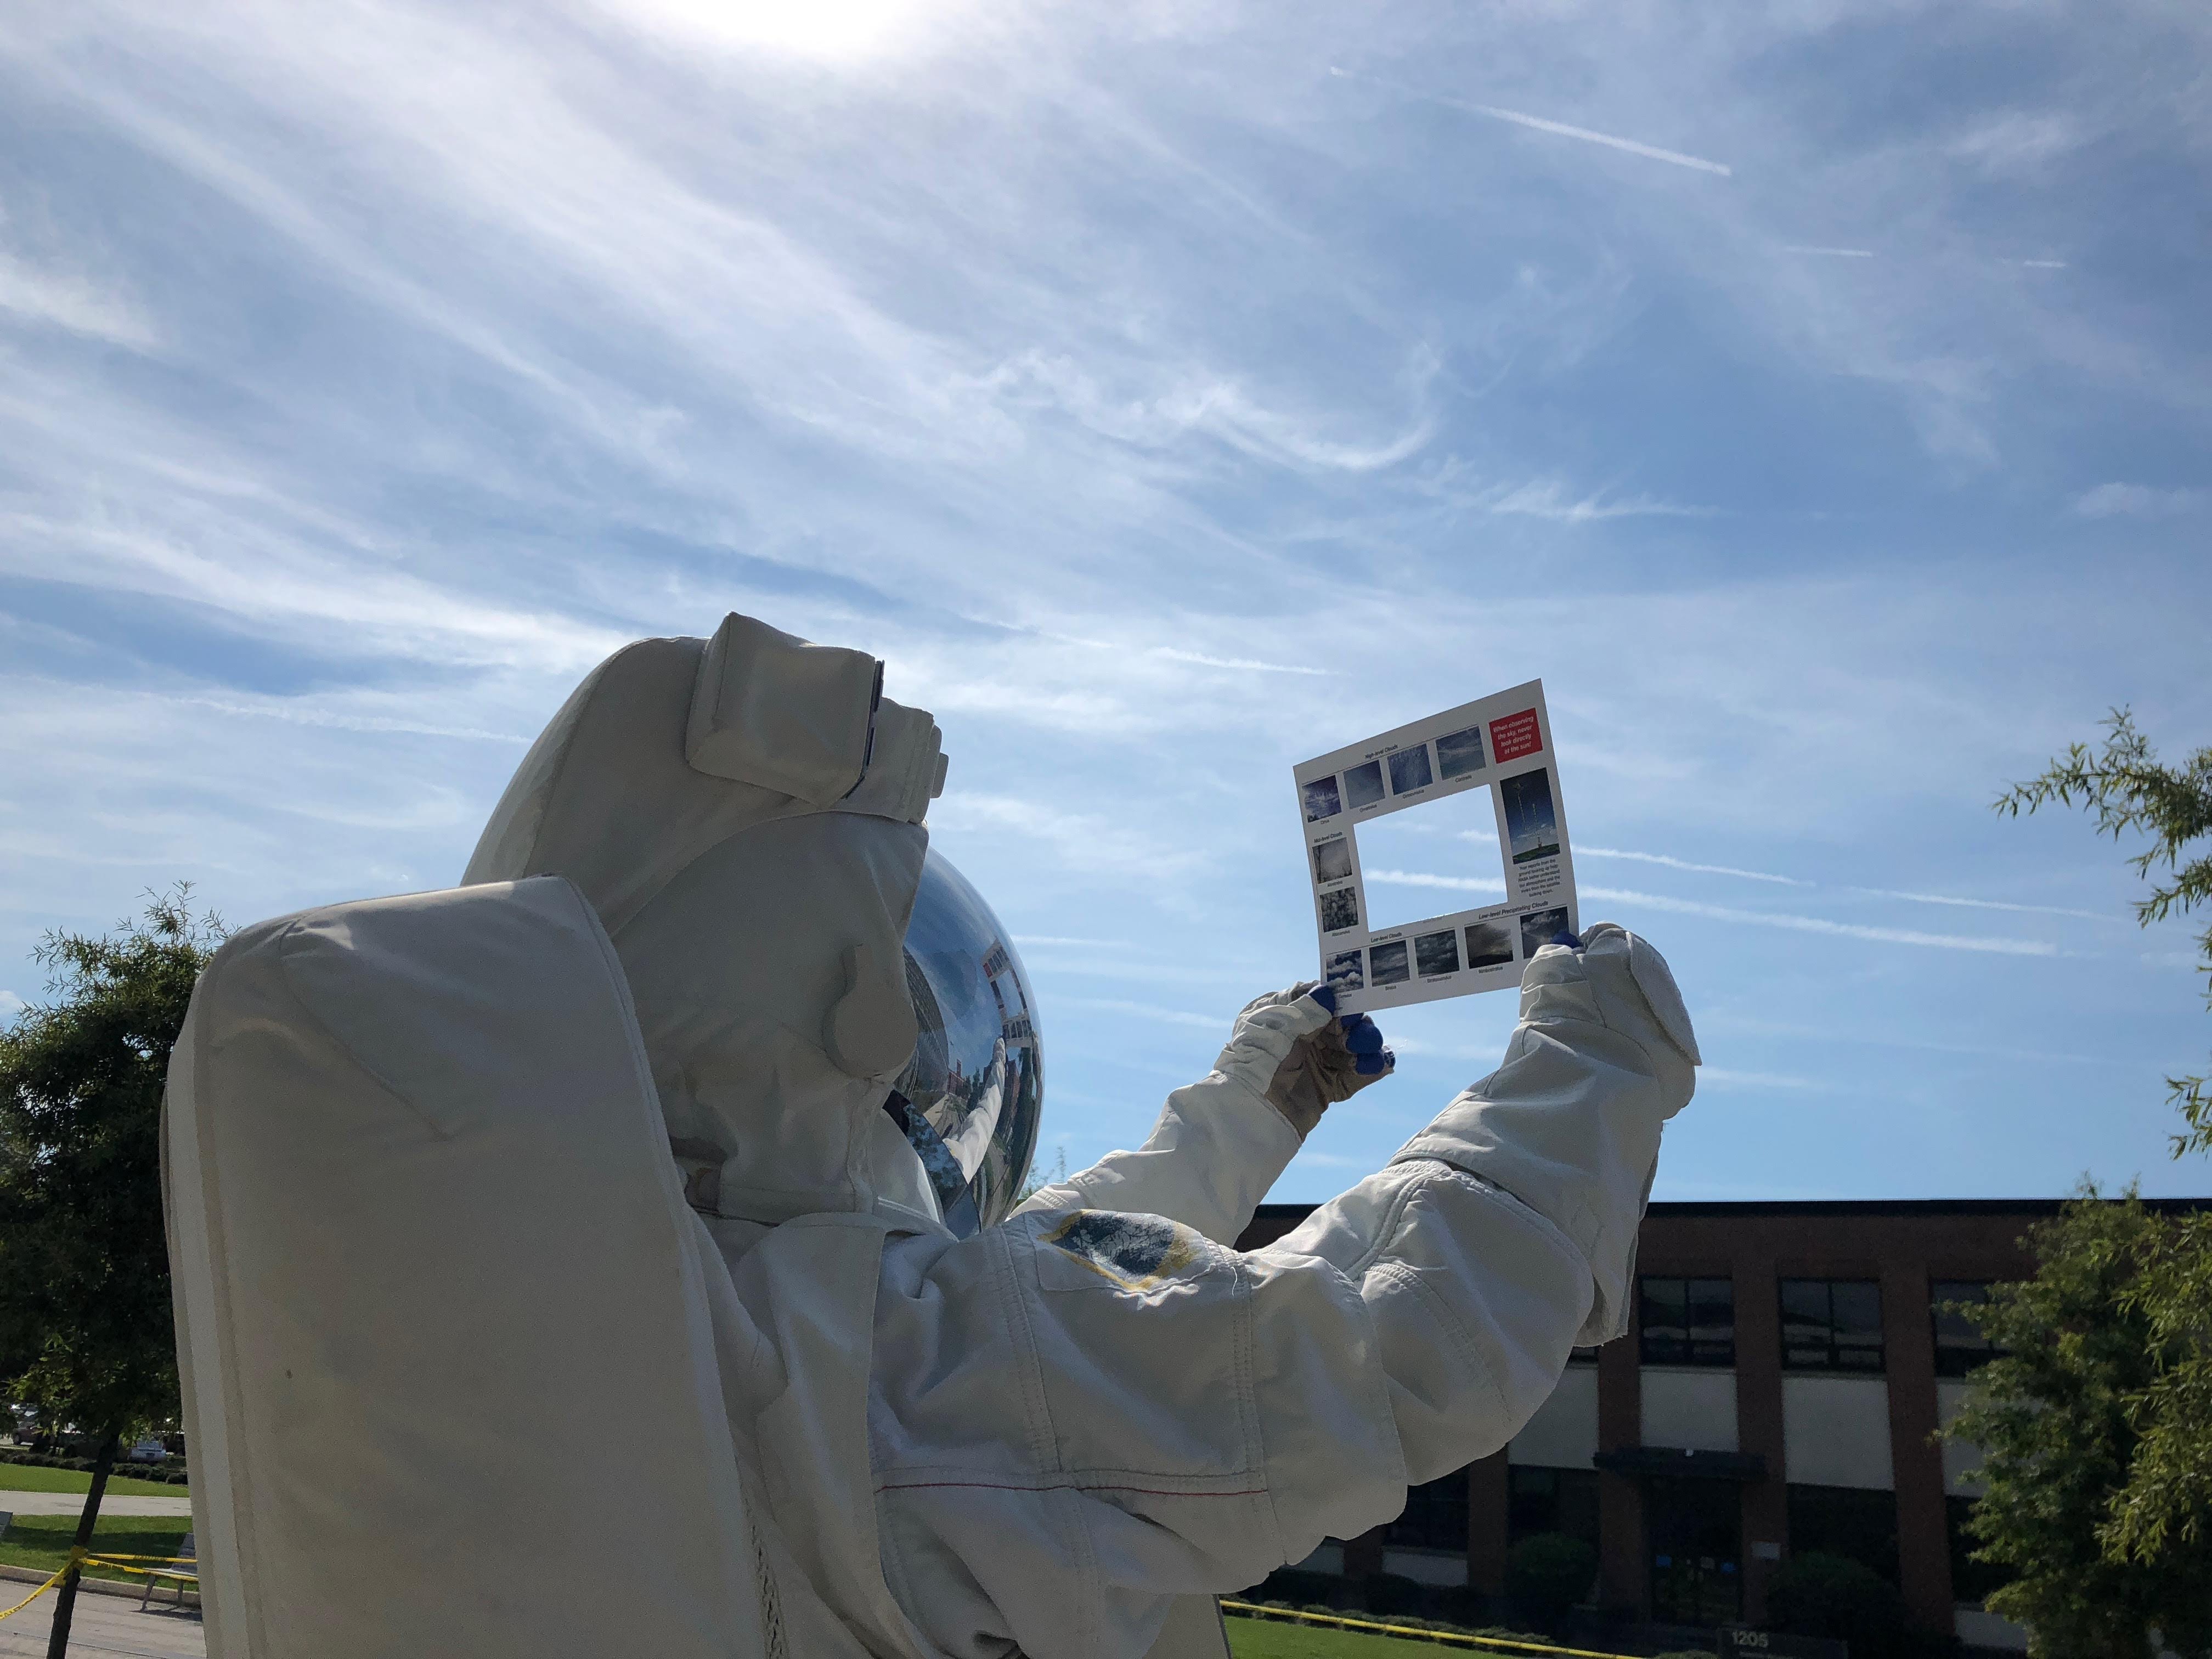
x=96 y=1586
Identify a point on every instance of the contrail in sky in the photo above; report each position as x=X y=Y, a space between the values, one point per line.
x=1650 y=151
x=2010 y=947
x=1588 y=851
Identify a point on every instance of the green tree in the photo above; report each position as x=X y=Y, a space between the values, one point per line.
x=2165 y=1513
x=2056 y=1416
x=85 y=1333
x=2129 y=789
x=2097 y=1421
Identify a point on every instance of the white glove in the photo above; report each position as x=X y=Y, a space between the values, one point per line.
x=1293 y=1050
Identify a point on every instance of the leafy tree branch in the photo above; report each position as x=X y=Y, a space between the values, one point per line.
x=2129 y=789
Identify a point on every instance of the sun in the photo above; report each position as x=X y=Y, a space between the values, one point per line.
x=826 y=30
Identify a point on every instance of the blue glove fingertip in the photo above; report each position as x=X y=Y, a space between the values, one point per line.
x=1369 y=1064
x=1563 y=937
x=1325 y=995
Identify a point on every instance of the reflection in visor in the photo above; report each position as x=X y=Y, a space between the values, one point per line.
x=971 y=1100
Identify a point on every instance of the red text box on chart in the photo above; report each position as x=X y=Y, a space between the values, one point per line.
x=1515 y=736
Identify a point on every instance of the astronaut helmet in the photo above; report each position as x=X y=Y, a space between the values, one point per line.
x=833 y=1019
x=969 y=1101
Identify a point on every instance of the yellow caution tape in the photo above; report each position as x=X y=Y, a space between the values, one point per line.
x=83 y=1558
x=1453 y=1638
x=117 y=1561
x=76 y=1557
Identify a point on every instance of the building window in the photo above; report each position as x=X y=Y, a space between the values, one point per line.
x=1688 y=1322
x=1972 y=1581
x=1551 y=1500
x=1958 y=1345
x=1831 y=1325
x=1846 y=1521
x=1435 y=1517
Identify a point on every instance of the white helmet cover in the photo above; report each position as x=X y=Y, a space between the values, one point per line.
x=746 y=815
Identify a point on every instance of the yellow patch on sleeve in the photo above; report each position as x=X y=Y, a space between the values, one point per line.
x=1135 y=1252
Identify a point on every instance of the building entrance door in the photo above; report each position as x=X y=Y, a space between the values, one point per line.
x=1696 y=1534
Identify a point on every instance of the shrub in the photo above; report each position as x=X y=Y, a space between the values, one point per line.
x=175 y=1471
x=1387 y=1595
x=1460 y=1605
x=1830 y=1595
x=1547 y=1573
x=1295 y=1586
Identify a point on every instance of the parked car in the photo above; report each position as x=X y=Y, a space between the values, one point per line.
x=148 y=1451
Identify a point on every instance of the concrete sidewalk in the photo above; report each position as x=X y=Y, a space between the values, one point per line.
x=72 y=1503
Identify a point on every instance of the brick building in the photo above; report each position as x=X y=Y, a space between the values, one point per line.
x=1778 y=1390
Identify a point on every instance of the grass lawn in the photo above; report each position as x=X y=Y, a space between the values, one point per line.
x=28 y=1477
x=1257 y=1638
x=43 y=1541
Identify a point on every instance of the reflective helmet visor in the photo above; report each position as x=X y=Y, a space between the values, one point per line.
x=971 y=1100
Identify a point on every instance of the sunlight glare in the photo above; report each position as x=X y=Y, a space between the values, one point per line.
x=826 y=30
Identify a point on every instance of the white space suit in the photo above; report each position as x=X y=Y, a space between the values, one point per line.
x=473 y=1366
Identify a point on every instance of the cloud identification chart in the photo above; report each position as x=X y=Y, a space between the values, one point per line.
x=1502 y=743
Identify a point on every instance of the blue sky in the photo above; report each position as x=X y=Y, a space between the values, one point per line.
x=1815 y=396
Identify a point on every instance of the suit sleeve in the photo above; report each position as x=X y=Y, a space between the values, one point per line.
x=1216 y=1147
x=1085 y=1412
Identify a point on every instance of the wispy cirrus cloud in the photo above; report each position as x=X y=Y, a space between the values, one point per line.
x=1148 y=1010
x=1079 y=841
x=1210 y=405
x=65 y=299
x=1721 y=1077
x=2018 y=142
x=1552 y=501
x=2133 y=501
